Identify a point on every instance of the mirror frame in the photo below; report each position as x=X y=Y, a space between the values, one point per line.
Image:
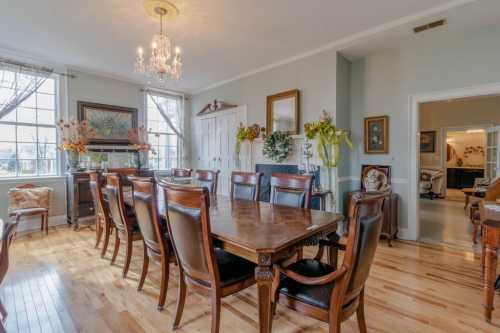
x=283 y=95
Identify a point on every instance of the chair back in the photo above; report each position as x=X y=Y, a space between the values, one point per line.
x=188 y=224
x=179 y=172
x=95 y=184
x=245 y=185
x=493 y=190
x=208 y=179
x=365 y=225
x=291 y=190
x=116 y=203
x=146 y=211
x=7 y=230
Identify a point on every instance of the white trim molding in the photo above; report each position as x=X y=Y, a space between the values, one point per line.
x=414 y=138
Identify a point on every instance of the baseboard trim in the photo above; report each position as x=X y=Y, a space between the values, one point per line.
x=31 y=224
x=404 y=233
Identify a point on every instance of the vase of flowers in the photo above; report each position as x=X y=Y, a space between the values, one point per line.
x=329 y=140
x=243 y=134
x=139 y=139
x=75 y=137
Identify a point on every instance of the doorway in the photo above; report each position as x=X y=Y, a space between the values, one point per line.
x=453 y=157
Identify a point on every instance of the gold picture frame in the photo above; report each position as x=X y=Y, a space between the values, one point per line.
x=376 y=135
x=283 y=112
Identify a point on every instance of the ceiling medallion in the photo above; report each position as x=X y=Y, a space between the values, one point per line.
x=163 y=64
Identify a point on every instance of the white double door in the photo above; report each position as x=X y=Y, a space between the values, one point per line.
x=215 y=143
x=493 y=152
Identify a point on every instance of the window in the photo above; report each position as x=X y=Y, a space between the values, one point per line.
x=28 y=137
x=165 y=142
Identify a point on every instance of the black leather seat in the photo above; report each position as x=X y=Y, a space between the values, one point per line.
x=318 y=295
x=232 y=269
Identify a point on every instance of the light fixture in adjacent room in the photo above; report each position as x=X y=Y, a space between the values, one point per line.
x=475 y=130
x=163 y=64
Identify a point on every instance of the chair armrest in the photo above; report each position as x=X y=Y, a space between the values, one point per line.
x=311 y=281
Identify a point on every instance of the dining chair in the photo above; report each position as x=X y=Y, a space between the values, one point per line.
x=157 y=245
x=103 y=223
x=180 y=172
x=208 y=179
x=203 y=267
x=245 y=185
x=30 y=200
x=7 y=230
x=318 y=290
x=123 y=217
x=491 y=193
x=291 y=190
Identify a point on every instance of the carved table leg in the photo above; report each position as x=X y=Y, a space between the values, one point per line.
x=264 y=276
x=490 y=268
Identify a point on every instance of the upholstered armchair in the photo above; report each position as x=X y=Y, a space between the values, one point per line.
x=28 y=201
x=431 y=183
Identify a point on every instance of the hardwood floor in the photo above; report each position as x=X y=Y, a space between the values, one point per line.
x=59 y=283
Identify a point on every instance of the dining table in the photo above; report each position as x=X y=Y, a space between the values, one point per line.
x=491 y=243
x=262 y=233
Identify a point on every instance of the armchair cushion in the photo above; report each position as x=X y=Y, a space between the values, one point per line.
x=317 y=295
x=24 y=198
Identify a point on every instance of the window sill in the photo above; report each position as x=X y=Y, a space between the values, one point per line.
x=18 y=180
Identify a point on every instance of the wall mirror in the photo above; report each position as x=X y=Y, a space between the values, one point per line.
x=283 y=112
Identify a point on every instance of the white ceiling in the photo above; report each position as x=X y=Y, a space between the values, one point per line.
x=220 y=39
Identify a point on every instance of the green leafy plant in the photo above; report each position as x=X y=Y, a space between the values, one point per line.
x=277 y=146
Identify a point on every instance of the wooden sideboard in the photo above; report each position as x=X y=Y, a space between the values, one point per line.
x=79 y=198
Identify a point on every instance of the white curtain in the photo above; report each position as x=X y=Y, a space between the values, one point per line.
x=161 y=102
x=18 y=81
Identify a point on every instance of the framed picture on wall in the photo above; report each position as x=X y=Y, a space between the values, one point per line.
x=376 y=135
x=111 y=123
x=283 y=112
x=428 y=142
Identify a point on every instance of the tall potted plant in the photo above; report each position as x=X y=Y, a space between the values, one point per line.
x=75 y=136
x=329 y=140
x=243 y=134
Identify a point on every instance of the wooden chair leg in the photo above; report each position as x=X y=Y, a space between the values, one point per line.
x=181 y=298
x=117 y=247
x=145 y=265
x=474 y=233
x=360 y=312
x=215 y=298
x=128 y=257
x=42 y=221
x=47 y=224
x=98 y=232
x=107 y=234
x=165 y=271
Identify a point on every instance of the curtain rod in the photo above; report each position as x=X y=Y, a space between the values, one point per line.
x=35 y=67
x=165 y=92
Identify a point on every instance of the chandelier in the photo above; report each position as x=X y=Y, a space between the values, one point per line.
x=163 y=64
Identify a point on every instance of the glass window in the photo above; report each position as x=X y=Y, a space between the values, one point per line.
x=28 y=135
x=166 y=147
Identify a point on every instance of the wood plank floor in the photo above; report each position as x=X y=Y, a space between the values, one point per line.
x=58 y=283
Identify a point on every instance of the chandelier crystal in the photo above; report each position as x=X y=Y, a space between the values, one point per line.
x=162 y=64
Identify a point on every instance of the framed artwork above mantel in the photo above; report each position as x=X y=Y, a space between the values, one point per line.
x=111 y=123
x=283 y=112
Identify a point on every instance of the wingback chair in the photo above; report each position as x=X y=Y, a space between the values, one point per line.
x=291 y=190
x=332 y=295
x=30 y=200
x=157 y=243
x=7 y=230
x=208 y=179
x=245 y=185
x=103 y=222
x=123 y=217
x=203 y=267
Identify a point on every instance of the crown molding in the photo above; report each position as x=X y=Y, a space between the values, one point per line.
x=344 y=42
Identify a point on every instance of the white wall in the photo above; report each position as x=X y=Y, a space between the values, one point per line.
x=382 y=82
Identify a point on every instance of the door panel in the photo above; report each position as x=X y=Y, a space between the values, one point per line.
x=493 y=153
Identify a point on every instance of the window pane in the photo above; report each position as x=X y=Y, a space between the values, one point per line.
x=44 y=101
x=47 y=150
x=47 y=167
x=7 y=150
x=46 y=117
x=26 y=115
x=8 y=168
x=29 y=102
x=26 y=150
x=7 y=132
x=6 y=94
x=47 y=135
x=11 y=116
x=26 y=133
x=27 y=167
x=48 y=87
